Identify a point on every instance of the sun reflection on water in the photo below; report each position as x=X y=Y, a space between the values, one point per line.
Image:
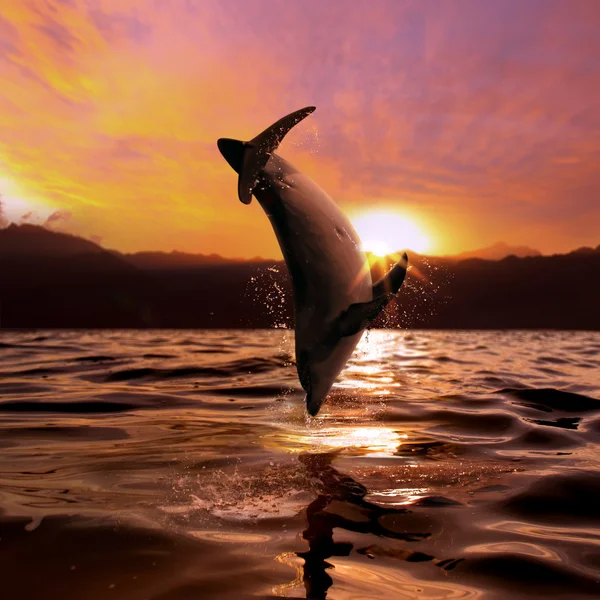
x=366 y=441
x=369 y=370
x=375 y=440
x=368 y=373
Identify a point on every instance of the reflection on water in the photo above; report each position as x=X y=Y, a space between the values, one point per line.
x=373 y=440
x=180 y=465
x=369 y=441
x=341 y=505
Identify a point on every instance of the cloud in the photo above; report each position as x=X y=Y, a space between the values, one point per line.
x=115 y=26
x=56 y=217
x=58 y=35
x=9 y=39
x=3 y=219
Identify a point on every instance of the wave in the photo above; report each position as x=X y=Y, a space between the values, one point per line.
x=84 y=407
x=558 y=499
x=244 y=366
x=527 y=576
x=549 y=399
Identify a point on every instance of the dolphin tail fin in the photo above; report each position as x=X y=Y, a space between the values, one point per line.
x=258 y=150
x=359 y=315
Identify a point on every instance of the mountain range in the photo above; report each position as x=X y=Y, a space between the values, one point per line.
x=51 y=279
x=498 y=251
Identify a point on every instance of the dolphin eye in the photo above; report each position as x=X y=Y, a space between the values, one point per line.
x=341 y=233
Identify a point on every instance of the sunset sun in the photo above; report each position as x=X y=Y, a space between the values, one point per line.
x=384 y=232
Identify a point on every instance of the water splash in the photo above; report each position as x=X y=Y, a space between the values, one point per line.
x=266 y=288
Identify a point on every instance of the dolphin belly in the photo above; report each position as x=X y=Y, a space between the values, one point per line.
x=317 y=241
x=329 y=272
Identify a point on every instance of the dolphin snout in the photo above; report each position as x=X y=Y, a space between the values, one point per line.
x=315 y=396
x=313 y=403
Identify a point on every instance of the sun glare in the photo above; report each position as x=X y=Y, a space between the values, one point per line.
x=16 y=203
x=384 y=232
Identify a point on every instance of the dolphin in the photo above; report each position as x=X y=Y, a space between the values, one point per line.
x=335 y=299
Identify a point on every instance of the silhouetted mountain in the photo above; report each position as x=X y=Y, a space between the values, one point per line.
x=32 y=240
x=586 y=250
x=52 y=279
x=498 y=251
x=173 y=260
x=539 y=292
x=49 y=279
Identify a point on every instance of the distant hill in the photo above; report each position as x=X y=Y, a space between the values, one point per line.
x=537 y=292
x=498 y=251
x=50 y=279
x=35 y=241
x=586 y=250
x=173 y=260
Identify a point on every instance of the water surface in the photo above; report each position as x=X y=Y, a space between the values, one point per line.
x=181 y=465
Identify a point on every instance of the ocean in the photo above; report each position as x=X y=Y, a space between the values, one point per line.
x=180 y=465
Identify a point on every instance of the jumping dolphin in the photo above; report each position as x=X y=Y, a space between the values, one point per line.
x=334 y=297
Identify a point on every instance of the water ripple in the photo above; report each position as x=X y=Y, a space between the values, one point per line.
x=181 y=464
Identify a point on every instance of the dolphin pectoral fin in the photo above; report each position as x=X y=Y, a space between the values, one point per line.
x=390 y=283
x=259 y=149
x=359 y=315
x=249 y=173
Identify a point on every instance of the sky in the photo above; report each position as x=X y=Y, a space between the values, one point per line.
x=478 y=121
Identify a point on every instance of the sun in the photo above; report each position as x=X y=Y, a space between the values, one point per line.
x=384 y=232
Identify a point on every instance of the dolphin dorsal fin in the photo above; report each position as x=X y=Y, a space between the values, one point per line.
x=259 y=149
x=359 y=315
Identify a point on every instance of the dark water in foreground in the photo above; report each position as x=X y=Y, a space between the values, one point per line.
x=180 y=465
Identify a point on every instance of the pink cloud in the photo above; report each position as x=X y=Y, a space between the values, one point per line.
x=57 y=217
